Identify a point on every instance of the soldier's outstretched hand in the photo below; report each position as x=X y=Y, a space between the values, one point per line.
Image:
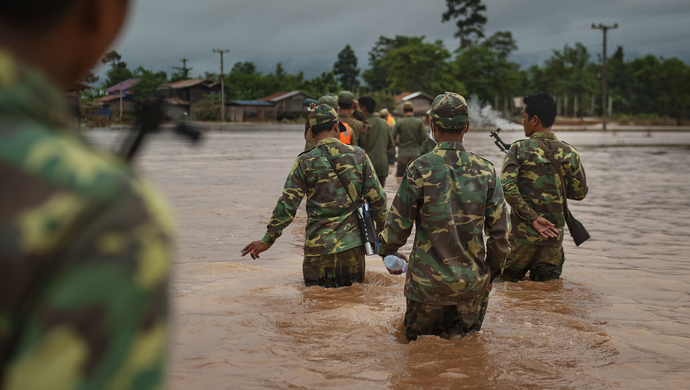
x=254 y=249
x=545 y=228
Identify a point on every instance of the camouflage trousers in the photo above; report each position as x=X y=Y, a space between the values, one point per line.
x=336 y=270
x=543 y=263
x=444 y=320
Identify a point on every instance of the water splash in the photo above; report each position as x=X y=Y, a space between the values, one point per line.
x=487 y=117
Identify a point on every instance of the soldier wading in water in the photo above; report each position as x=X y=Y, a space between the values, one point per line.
x=451 y=196
x=333 y=251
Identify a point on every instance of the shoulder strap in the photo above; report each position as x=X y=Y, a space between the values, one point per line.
x=347 y=191
x=559 y=171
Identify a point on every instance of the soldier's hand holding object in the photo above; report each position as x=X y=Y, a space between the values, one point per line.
x=254 y=249
x=395 y=264
x=545 y=228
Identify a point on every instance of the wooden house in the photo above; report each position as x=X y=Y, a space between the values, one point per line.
x=250 y=110
x=287 y=104
x=420 y=100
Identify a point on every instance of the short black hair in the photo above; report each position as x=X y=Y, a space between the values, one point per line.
x=408 y=109
x=345 y=106
x=34 y=16
x=368 y=102
x=322 y=127
x=543 y=106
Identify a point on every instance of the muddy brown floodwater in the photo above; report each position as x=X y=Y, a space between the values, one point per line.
x=619 y=317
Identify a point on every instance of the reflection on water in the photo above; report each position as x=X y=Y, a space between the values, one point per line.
x=618 y=319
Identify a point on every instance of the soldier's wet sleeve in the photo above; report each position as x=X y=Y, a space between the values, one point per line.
x=497 y=228
x=293 y=191
x=402 y=214
x=577 y=183
x=509 y=178
x=375 y=195
x=97 y=317
x=366 y=127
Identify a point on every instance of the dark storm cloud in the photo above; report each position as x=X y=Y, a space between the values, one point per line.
x=307 y=34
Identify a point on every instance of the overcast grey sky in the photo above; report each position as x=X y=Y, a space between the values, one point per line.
x=307 y=34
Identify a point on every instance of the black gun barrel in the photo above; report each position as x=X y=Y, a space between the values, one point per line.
x=499 y=142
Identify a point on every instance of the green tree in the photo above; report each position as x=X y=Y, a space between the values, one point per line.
x=570 y=72
x=149 y=82
x=182 y=72
x=322 y=84
x=90 y=78
x=487 y=73
x=646 y=93
x=345 y=69
x=501 y=42
x=470 y=21
x=620 y=82
x=674 y=87
x=421 y=66
x=118 y=71
x=376 y=76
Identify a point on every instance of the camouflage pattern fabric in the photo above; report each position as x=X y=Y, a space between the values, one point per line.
x=310 y=143
x=449 y=111
x=322 y=114
x=532 y=187
x=543 y=263
x=409 y=135
x=331 y=221
x=402 y=165
x=376 y=143
x=84 y=253
x=335 y=270
x=451 y=196
x=358 y=123
x=444 y=320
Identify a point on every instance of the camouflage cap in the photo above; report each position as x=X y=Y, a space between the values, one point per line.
x=331 y=100
x=408 y=105
x=449 y=111
x=323 y=114
x=346 y=97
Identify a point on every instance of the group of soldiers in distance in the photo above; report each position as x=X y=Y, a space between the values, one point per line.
x=450 y=196
x=85 y=247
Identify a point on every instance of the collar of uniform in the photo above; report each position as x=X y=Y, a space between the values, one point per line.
x=26 y=90
x=327 y=141
x=543 y=135
x=451 y=145
x=343 y=115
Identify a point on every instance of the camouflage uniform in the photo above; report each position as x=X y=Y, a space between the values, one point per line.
x=452 y=196
x=375 y=143
x=358 y=122
x=326 y=99
x=532 y=188
x=84 y=252
x=412 y=135
x=333 y=254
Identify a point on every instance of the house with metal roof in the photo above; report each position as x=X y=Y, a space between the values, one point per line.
x=125 y=87
x=420 y=100
x=287 y=104
x=251 y=110
x=184 y=94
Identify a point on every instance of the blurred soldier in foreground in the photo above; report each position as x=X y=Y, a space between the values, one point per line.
x=326 y=99
x=451 y=195
x=333 y=251
x=378 y=140
x=350 y=114
x=532 y=188
x=84 y=243
x=409 y=135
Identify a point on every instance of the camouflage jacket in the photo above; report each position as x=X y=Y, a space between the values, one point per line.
x=84 y=252
x=452 y=196
x=412 y=135
x=358 y=123
x=331 y=220
x=376 y=142
x=532 y=186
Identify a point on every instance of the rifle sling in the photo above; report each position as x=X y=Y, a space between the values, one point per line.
x=347 y=191
x=559 y=171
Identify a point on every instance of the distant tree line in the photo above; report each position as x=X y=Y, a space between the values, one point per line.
x=648 y=86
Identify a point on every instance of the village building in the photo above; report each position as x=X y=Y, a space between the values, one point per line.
x=420 y=100
x=179 y=97
x=109 y=105
x=250 y=111
x=287 y=104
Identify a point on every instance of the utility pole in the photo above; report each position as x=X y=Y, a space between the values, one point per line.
x=222 y=83
x=184 y=67
x=604 y=29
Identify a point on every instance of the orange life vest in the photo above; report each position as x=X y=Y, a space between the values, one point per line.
x=390 y=120
x=346 y=137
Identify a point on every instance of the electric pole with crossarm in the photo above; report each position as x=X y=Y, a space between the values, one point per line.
x=222 y=83
x=604 y=29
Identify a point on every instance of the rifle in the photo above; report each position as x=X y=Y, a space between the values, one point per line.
x=149 y=119
x=499 y=142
